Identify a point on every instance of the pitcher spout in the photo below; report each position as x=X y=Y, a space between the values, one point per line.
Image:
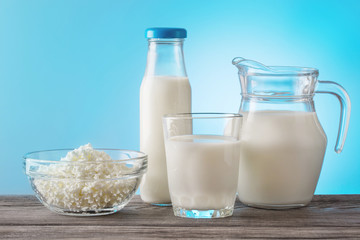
x=246 y=65
x=237 y=60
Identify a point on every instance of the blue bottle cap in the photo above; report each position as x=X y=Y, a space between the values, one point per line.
x=165 y=33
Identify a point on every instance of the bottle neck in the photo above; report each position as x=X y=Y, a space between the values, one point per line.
x=165 y=58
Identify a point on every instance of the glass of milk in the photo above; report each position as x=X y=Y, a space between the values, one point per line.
x=202 y=156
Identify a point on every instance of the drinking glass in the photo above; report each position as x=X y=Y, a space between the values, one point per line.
x=202 y=157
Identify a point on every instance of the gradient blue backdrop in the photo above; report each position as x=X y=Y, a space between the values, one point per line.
x=70 y=71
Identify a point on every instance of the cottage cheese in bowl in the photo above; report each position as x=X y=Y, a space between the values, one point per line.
x=86 y=181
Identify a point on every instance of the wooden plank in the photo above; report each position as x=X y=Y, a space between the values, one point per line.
x=157 y=232
x=331 y=216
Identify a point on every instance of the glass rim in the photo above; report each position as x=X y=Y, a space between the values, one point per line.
x=287 y=71
x=28 y=156
x=202 y=115
x=296 y=97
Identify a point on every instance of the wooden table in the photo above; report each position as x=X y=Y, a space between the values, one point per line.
x=328 y=216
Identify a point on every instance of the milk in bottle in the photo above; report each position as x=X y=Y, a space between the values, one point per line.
x=165 y=89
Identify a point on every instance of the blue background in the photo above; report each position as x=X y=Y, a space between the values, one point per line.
x=70 y=71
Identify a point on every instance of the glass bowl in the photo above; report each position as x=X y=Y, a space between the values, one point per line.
x=85 y=188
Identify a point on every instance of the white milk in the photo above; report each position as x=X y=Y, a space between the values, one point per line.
x=203 y=171
x=281 y=158
x=159 y=95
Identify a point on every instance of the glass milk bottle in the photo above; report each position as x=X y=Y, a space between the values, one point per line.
x=283 y=144
x=165 y=89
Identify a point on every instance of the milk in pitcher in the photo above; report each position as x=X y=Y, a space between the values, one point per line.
x=281 y=158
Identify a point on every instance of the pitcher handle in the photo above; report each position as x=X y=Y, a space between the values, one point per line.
x=345 y=108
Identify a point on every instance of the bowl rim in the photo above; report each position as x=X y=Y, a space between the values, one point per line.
x=27 y=156
x=29 y=161
x=54 y=178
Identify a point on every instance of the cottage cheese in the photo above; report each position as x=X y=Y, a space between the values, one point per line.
x=84 y=181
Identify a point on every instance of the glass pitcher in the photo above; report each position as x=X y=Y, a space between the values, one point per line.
x=283 y=143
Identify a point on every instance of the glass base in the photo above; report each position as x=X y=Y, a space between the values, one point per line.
x=84 y=213
x=162 y=204
x=192 y=213
x=276 y=207
x=79 y=213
